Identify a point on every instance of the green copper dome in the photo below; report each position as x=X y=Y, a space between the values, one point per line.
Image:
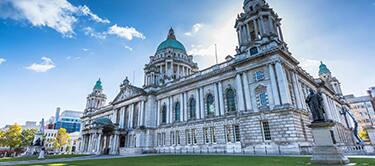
x=98 y=84
x=323 y=69
x=171 y=42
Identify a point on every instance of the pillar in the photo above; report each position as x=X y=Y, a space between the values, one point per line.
x=97 y=150
x=201 y=102
x=198 y=93
x=158 y=114
x=140 y=116
x=247 y=92
x=283 y=84
x=217 y=109
x=326 y=107
x=296 y=90
x=185 y=106
x=182 y=107
x=221 y=99
x=241 y=106
x=255 y=28
x=275 y=92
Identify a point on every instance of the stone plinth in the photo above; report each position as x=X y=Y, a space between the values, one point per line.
x=325 y=150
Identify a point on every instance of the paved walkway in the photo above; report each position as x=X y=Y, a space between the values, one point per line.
x=95 y=157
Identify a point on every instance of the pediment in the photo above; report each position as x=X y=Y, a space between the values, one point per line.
x=128 y=92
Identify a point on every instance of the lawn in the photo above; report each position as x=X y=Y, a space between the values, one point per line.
x=6 y=159
x=201 y=161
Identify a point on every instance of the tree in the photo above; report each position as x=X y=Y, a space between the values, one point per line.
x=27 y=137
x=2 y=139
x=62 y=139
x=13 y=136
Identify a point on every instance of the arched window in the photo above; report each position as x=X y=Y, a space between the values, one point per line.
x=192 y=108
x=210 y=108
x=230 y=97
x=164 y=114
x=177 y=112
x=262 y=96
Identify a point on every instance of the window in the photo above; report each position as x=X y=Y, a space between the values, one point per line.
x=210 y=105
x=192 y=108
x=194 y=136
x=262 y=96
x=228 y=133
x=266 y=131
x=231 y=100
x=177 y=112
x=213 y=135
x=172 y=138
x=187 y=137
x=163 y=138
x=164 y=114
x=236 y=134
x=206 y=136
x=259 y=75
x=178 y=137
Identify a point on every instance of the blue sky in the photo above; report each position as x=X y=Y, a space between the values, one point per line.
x=52 y=56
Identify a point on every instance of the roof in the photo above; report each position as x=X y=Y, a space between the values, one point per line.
x=98 y=85
x=171 y=42
x=353 y=99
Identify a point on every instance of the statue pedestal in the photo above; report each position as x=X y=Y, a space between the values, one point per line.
x=325 y=150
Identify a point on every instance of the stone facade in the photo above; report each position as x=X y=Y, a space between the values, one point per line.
x=253 y=102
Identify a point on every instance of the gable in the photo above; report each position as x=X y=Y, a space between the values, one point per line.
x=128 y=92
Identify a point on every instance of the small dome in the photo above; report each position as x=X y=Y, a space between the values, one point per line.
x=171 y=42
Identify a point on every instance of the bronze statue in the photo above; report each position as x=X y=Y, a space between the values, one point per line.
x=315 y=103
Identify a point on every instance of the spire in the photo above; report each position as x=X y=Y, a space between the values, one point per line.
x=323 y=69
x=98 y=85
x=171 y=34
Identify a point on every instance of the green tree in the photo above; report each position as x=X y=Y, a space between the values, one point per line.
x=2 y=139
x=27 y=137
x=13 y=136
x=62 y=139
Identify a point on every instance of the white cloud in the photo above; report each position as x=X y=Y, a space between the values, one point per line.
x=85 y=49
x=87 y=12
x=59 y=15
x=195 y=29
x=2 y=60
x=128 y=47
x=125 y=32
x=92 y=33
x=46 y=65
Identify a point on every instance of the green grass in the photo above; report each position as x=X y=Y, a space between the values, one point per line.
x=6 y=159
x=201 y=161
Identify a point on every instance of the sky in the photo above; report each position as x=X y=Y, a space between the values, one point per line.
x=52 y=52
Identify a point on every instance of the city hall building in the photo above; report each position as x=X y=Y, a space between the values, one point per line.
x=254 y=102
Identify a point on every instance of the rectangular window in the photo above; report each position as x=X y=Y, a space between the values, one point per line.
x=237 y=134
x=213 y=135
x=194 y=136
x=266 y=131
x=206 y=136
x=178 y=137
x=171 y=138
x=228 y=133
x=163 y=138
x=187 y=137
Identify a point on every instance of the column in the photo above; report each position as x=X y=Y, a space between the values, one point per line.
x=169 y=110
x=201 y=102
x=283 y=84
x=131 y=111
x=296 y=90
x=255 y=27
x=241 y=105
x=158 y=114
x=280 y=33
x=326 y=107
x=182 y=107
x=140 y=116
x=89 y=143
x=247 y=92
x=185 y=106
x=97 y=150
x=178 y=71
x=247 y=32
x=197 y=110
x=217 y=107
x=221 y=99
x=261 y=25
x=275 y=92
x=270 y=24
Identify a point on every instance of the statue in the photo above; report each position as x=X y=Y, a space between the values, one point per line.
x=315 y=103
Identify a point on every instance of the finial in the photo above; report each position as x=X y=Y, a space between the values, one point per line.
x=171 y=34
